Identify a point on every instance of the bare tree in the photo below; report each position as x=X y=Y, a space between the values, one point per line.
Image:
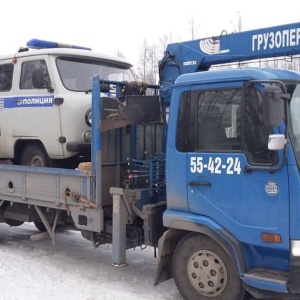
x=193 y=27
x=239 y=26
x=290 y=63
x=143 y=62
x=154 y=57
x=147 y=68
x=240 y=23
x=163 y=43
x=120 y=54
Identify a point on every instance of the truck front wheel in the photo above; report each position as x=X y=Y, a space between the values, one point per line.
x=202 y=270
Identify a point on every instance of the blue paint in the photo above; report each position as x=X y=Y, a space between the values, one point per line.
x=27 y=101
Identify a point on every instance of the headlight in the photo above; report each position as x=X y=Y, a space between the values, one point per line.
x=88 y=117
x=295 y=247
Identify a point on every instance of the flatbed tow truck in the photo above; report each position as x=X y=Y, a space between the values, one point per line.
x=207 y=171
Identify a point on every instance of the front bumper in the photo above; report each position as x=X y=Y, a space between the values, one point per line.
x=78 y=147
x=294 y=275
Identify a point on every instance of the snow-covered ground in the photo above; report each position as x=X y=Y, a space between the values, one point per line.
x=73 y=270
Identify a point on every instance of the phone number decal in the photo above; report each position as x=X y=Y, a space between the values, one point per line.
x=215 y=165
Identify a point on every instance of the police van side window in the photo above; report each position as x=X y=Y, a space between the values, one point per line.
x=6 y=75
x=28 y=68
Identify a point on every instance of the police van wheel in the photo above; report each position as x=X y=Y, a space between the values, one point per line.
x=202 y=270
x=34 y=155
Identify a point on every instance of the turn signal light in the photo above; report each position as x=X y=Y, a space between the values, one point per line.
x=271 y=238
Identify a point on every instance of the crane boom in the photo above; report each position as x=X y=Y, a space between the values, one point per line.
x=200 y=55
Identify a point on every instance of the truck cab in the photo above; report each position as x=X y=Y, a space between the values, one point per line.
x=45 y=101
x=235 y=196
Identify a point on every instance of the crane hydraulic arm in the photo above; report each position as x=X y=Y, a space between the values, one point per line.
x=200 y=55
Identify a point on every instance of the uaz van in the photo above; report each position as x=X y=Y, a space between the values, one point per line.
x=45 y=101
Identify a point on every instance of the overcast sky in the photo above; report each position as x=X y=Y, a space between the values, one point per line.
x=117 y=25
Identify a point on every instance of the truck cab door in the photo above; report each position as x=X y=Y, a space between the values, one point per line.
x=225 y=135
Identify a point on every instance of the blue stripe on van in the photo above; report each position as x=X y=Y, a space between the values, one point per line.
x=27 y=101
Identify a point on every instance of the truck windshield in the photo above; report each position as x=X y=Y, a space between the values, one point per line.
x=77 y=74
x=294 y=90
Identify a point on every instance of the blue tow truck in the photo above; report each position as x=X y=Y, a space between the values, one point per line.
x=204 y=167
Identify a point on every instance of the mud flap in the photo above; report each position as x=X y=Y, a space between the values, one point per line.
x=90 y=219
x=166 y=246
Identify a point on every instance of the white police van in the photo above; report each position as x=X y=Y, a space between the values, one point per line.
x=45 y=101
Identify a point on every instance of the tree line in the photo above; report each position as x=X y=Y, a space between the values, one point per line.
x=146 y=69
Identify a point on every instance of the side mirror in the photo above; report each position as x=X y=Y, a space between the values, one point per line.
x=276 y=142
x=272 y=106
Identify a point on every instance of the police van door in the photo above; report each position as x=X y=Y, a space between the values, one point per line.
x=31 y=116
x=226 y=136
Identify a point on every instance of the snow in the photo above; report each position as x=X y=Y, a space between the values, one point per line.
x=73 y=270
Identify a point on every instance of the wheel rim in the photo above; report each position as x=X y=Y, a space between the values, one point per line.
x=207 y=273
x=35 y=161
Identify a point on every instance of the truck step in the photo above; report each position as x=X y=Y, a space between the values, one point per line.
x=267 y=275
x=267 y=283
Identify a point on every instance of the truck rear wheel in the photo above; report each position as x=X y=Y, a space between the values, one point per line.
x=34 y=155
x=40 y=226
x=13 y=223
x=202 y=270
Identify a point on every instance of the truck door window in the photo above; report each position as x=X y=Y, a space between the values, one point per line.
x=6 y=75
x=224 y=120
x=294 y=130
x=184 y=132
x=256 y=134
x=26 y=74
x=216 y=122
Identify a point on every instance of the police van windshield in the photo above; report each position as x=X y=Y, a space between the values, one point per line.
x=77 y=74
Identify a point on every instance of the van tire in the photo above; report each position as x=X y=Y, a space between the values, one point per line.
x=34 y=155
